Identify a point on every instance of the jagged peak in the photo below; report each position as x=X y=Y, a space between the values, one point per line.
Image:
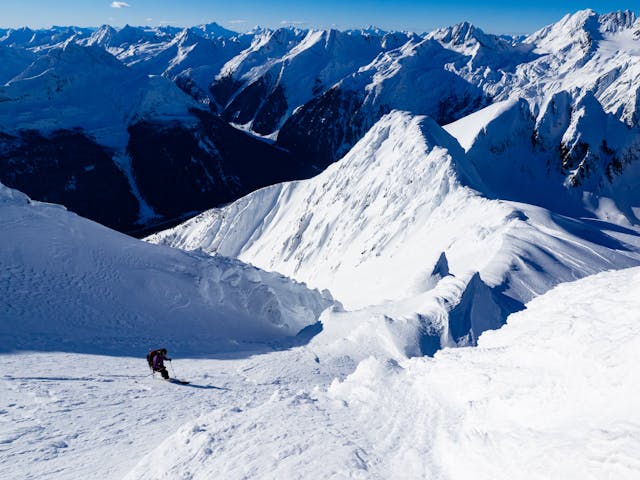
x=457 y=34
x=617 y=21
x=187 y=36
x=441 y=268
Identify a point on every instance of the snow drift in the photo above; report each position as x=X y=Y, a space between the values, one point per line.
x=546 y=396
x=69 y=284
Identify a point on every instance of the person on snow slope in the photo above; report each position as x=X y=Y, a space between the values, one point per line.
x=156 y=359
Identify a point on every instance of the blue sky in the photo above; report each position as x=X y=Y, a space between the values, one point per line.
x=494 y=16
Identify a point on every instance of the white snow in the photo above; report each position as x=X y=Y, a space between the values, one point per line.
x=69 y=283
x=381 y=217
x=551 y=395
x=420 y=242
x=467 y=129
x=59 y=89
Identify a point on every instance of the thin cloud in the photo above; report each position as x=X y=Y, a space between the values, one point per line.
x=292 y=22
x=235 y=22
x=119 y=5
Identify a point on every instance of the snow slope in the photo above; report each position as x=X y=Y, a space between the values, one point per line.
x=550 y=395
x=572 y=157
x=74 y=86
x=68 y=284
x=382 y=216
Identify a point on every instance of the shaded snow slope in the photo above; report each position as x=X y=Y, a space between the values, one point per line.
x=85 y=87
x=72 y=285
x=550 y=395
x=572 y=157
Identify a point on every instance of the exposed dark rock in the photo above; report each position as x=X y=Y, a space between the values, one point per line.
x=179 y=170
x=325 y=128
x=183 y=169
x=188 y=86
x=244 y=106
x=223 y=89
x=270 y=115
x=69 y=168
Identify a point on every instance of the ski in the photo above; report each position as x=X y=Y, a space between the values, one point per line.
x=178 y=381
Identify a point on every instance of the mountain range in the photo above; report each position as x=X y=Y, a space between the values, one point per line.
x=240 y=111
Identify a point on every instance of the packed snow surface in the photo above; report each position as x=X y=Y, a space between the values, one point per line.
x=550 y=395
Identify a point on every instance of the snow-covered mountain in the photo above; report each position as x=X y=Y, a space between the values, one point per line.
x=583 y=52
x=318 y=92
x=572 y=157
x=400 y=224
x=284 y=69
x=77 y=119
x=461 y=178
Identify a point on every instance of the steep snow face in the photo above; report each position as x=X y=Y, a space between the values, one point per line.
x=581 y=28
x=572 y=157
x=550 y=392
x=482 y=50
x=279 y=73
x=70 y=284
x=417 y=67
x=594 y=53
x=372 y=227
x=337 y=228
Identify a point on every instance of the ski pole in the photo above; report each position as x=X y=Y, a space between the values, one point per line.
x=172 y=370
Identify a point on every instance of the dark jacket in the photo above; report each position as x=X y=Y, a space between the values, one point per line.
x=158 y=359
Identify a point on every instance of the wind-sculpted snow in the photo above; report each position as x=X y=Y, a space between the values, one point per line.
x=548 y=395
x=372 y=227
x=68 y=284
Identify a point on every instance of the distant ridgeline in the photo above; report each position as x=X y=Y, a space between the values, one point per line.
x=138 y=128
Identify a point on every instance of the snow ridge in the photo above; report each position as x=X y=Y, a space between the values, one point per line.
x=381 y=219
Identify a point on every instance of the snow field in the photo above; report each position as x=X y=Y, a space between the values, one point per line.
x=550 y=395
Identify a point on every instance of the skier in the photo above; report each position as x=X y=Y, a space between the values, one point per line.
x=155 y=359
